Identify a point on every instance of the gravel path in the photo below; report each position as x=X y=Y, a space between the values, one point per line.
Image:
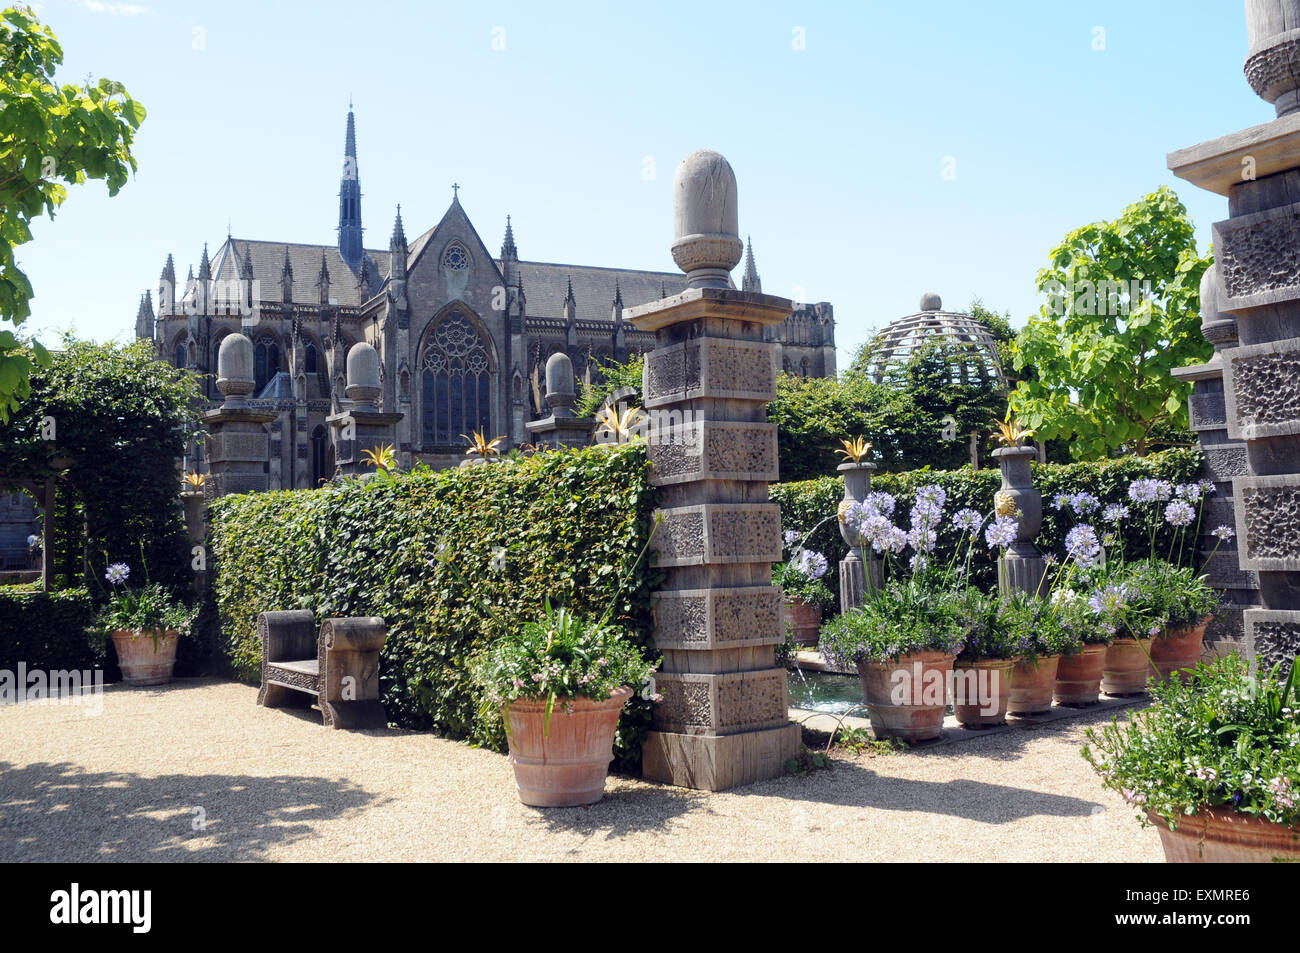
x=196 y=771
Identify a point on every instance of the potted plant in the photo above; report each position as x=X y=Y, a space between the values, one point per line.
x=982 y=672
x=559 y=684
x=145 y=624
x=1179 y=605
x=806 y=593
x=1214 y=763
x=1036 y=631
x=1079 y=672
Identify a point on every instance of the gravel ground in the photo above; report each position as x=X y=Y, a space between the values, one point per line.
x=196 y=771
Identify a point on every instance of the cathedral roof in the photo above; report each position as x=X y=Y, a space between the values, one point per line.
x=594 y=288
x=268 y=263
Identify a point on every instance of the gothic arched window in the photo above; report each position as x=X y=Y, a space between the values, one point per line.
x=266 y=361
x=456 y=382
x=455 y=258
x=180 y=354
x=309 y=359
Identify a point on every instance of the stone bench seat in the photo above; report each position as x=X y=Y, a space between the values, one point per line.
x=343 y=677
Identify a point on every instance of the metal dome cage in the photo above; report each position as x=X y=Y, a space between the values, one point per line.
x=971 y=349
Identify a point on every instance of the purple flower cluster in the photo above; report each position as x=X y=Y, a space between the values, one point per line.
x=1180 y=513
x=811 y=564
x=1083 y=545
x=1150 y=491
x=1002 y=532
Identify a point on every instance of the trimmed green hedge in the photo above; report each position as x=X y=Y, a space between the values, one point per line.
x=571 y=523
x=805 y=503
x=48 y=630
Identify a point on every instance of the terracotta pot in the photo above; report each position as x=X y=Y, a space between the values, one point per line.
x=1078 y=676
x=565 y=767
x=1126 y=668
x=140 y=662
x=1179 y=648
x=907 y=698
x=974 y=696
x=1216 y=835
x=1031 y=685
x=805 y=620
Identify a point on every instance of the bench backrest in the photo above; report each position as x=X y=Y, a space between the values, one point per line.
x=287 y=636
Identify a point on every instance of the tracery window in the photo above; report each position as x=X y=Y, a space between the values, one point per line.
x=455 y=258
x=456 y=382
x=266 y=361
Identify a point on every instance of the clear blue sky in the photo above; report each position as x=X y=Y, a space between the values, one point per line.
x=839 y=148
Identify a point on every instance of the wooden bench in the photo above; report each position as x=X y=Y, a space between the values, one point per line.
x=340 y=667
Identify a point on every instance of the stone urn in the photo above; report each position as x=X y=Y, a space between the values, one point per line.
x=857 y=569
x=1178 y=648
x=146 y=657
x=1216 y=835
x=1022 y=568
x=565 y=764
x=907 y=698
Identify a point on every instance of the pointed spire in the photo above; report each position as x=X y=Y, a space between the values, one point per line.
x=167 y=286
x=618 y=295
x=323 y=279
x=205 y=266
x=169 y=270
x=248 y=263
x=508 y=250
x=350 y=229
x=363 y=277
x=399 y=234
x=144 y=319
x=751 y=281
x=286 y=279
x=286 y=270
x=570 y=306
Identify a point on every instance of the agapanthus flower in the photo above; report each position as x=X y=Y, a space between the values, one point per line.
x=790 y=538
x=1060 y=501
x=117 y=573
x=881 y=502
x=919 y=562
x=1083 y=545
x=967 y=520
x=811 y=564
x=1188 y=491
x=922 y=539
x=1002 y=532
x=1110 y=600
x=1147 y=490
x=1207 y=487
x=926 y=514
x=1224 y=533
x=1084 y=503
x=1180 y=513
x=895 y=541
x=1115 y=512
x=933 y=494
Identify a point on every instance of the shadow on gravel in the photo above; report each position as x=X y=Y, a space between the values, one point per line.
x=623 y=811
x=52 y=812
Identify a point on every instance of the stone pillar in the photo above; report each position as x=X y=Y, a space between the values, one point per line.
x=362 y=425
x=1257 y=252
x=1022 y=567
x=561 y=428
x=237 y=441
x=856 y=567
x=1225 y=458
x=723 y=720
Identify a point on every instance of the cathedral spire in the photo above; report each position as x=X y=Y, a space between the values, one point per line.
x=286 y=278
x=167 y=287
x=508 y=250
x=323 y=280
x=751 y=281
x=350 y=199
x=397 y=248
x=205 y=266
x=144 y=319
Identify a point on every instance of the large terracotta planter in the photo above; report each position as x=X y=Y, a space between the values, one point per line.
x=140 y=661
x=974 y=704
x=565 y=767
x=1179 y=648
x=1219 y=836
x=1078 y=677
x=1127 y=668
x=1032 y=684
x=903 y=697
x=804 y=620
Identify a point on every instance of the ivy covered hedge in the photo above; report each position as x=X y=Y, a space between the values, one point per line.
x=804 y=504
x=48 y=630
x=450 y=560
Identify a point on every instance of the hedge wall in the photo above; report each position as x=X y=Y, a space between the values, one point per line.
x=806 y=503
x=48 y=630
x=571 y=523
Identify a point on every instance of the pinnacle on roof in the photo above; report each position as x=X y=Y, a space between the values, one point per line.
x=568 y=295
x=350 y=142
x=169 y=270
x=399 y=235
x=205 y=266
x=618 y=294
x=751 y=281
x=248 y=263
x=286 y=270
x=508 y=249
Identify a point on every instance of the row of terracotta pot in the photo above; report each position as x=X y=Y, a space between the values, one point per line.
x=1016 y=687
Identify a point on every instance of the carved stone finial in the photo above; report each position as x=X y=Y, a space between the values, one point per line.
x=931 y=302
x=1273 y=61
x=363 y=385
x=235 y=368
x=706 y=242
x=559 y=384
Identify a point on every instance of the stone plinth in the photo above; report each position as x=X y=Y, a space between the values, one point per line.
x=355 y=432
x=555 y=432
x=723 y=720
x=237 y=449
x=1257 y=254
x=1022 y=567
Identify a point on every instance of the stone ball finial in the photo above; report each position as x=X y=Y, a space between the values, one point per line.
x=1273 y=60
x=363 y=386
x=559 y=384
x=931 y=302
x=235 y=368
x=1217 y=327
x=706 y=226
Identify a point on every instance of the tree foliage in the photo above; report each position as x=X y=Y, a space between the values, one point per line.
x=1122 y=311
x=50 y=136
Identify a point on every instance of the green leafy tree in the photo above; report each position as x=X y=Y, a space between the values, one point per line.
x=50 y=136
x=609 y=377
x=1122 y=311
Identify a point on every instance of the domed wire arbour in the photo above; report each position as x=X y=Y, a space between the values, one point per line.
x=972 y=352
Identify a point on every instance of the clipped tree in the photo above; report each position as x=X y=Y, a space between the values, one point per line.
x=1122 y=311
x=50 y=136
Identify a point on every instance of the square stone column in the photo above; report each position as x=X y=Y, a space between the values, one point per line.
x=356 y=431
x=724 y=719
x=238 y=444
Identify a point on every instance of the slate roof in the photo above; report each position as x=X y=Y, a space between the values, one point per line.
x=545 y=285
x=268 y=262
